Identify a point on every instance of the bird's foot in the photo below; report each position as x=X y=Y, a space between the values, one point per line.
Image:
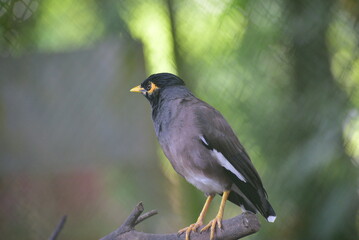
x=191 y=228
x=212 y=225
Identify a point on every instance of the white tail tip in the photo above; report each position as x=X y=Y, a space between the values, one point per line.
x=271 y=218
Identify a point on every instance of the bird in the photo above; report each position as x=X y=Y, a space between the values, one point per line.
x=203 y=148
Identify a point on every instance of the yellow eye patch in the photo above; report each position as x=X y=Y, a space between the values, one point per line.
x=151 y=88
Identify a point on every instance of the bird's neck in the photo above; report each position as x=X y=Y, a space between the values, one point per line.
x=167 y=95
x=164 y=107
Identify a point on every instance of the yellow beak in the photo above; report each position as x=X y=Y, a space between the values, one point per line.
x=138 y=89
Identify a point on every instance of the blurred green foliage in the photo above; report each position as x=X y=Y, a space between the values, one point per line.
x=284 y=73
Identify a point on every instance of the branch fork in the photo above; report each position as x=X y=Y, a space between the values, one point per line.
x=234 y=228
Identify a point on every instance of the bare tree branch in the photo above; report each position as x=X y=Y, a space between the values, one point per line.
x=234 y=228
x=145 y=216
x=58 y=228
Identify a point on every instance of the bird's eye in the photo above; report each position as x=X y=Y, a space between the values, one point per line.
x=148 y=86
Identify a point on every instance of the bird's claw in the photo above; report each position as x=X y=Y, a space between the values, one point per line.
x=191 y=228
x=212 y=225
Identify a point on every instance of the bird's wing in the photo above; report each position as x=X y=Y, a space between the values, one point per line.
x=219 y=137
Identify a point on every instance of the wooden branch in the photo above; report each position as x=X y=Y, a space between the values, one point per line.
x=58 y=228
x=234 y=228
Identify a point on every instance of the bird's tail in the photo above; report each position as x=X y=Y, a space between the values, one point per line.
x=269 y=212
x=252 y=199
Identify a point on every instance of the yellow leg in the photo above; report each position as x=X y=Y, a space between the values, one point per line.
x=193 y=227
x=218 y=219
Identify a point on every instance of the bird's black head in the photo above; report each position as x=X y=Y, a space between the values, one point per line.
x=155 y=83
x=162 y=80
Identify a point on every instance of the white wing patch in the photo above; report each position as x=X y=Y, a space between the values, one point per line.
x=226 y=164
x=203 y=140
x=223 y=161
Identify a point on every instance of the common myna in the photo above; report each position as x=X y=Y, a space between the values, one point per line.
x=203 y=148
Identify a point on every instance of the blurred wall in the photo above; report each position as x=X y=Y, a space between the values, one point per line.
x=69 y=123
x=61 y=110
